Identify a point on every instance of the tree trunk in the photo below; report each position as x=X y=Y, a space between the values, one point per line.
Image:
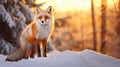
x=103 y=25
x=117 y=29
x=94 y=26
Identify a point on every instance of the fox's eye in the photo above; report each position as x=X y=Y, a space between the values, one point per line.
x=40 y=17
x=46 y=17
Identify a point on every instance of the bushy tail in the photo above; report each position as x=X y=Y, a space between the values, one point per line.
x=15 y=56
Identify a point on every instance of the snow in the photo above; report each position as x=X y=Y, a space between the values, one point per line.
x=86 y=58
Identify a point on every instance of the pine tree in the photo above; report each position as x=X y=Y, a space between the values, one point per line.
x=14 y=16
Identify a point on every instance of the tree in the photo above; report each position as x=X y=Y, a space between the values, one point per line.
x=94 y=26
x=14 y=16
x=117 y=29
x=103 y=25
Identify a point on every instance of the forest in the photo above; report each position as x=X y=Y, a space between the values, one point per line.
x=79 y=25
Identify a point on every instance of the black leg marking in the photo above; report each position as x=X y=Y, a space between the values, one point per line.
x=39 y=50
x=44 y=53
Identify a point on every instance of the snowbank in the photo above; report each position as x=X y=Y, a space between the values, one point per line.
x=86 y=58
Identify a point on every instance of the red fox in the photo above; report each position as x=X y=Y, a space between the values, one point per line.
x=36 y=33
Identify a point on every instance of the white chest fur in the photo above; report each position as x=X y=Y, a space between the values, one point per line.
x=43 y=31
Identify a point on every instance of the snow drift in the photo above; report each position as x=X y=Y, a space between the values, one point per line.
x=86 y=58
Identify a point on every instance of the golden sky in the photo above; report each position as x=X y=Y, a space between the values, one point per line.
x=73 y=5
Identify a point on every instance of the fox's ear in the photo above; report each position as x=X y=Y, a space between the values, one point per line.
x=49 y=9
x=38 y=10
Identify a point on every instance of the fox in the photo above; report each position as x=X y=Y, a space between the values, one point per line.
x=35 y=35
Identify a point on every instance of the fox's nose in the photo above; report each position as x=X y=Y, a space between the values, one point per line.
x=42 y=21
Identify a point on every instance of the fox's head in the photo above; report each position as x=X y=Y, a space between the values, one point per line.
x=44 y=17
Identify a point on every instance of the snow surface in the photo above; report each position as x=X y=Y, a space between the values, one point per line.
x=86 y=58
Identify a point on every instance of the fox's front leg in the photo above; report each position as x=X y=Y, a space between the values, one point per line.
x=38 y=49
x=44 y=43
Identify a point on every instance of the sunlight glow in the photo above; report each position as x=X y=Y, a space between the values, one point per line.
x=40 y=1
x=73 y=5
x=111 y=3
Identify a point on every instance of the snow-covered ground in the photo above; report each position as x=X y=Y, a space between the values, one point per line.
x=86 y=58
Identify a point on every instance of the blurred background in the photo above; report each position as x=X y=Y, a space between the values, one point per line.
x=87 y=24
x=79 y=24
